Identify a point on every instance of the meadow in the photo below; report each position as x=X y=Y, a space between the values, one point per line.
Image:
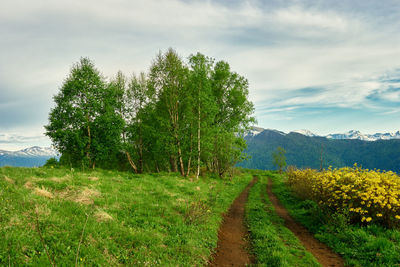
x=58 y=216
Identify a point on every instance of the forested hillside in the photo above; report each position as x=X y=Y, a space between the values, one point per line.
x=180 y=116
x=304 y=151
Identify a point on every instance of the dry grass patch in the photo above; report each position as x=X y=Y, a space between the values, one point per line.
x=43 y=192
x=85 y=196
x=59 y=179
x=102 y=216
x=67 y=194
x=9 y=180
x=28 y=185
x=93 y=178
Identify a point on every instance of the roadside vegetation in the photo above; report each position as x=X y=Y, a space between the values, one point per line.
x=360 y=242
x=272 y=243
x=363 y=196
x=58 y=216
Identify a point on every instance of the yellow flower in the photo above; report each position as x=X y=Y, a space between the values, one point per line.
x=397 y=217
x=379 y=215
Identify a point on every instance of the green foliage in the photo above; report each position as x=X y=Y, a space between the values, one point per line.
x=279 y=159
x=51 y=162
x=179 y=117
x=371 y=245
x=129 y=219
x=272 y=243
x=83 y=125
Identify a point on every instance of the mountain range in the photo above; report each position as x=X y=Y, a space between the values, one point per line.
x=30 y=157
x=305 y=149
x=352 y=134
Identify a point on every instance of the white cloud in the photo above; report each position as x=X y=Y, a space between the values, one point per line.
x=296 y=16
x=280 y=47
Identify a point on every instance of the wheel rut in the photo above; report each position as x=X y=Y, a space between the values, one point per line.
x=324 y=255
x=233 y=245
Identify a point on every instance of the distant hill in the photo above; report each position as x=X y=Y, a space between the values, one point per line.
x=305 y=151
x=29 y=157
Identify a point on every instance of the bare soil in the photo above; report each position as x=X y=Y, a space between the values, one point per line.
x=324 y=255
x=233 y=246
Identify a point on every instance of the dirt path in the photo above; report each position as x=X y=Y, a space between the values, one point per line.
x=233 y=246
x=324 y=255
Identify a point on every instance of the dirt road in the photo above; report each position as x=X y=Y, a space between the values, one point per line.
x=233 y=246
x=324 y=255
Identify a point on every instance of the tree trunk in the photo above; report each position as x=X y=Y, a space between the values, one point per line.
x=180 y=156
x=190 y=155
x=198 y=141
x=131 y=161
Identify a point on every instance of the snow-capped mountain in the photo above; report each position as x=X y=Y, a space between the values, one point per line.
x=387 y=136
x=255 y=131
x=34 y=151
x=28 y=157
x=365 y=137
x=304 y=132
x=353 y=134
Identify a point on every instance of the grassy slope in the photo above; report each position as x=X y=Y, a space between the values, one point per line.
x=360 y=246
x=127 y=219
x=272 y=243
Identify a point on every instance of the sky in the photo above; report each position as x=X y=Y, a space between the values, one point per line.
x=322 y=65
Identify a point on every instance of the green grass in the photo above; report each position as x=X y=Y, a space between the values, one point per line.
x=371 y=245
x=272 y=243
x=112 y=218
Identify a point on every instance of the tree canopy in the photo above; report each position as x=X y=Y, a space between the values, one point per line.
x=180 y=116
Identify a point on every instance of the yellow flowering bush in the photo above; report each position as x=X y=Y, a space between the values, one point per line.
x=367 y=195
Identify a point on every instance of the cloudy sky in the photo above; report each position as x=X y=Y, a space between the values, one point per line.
x=326 y=66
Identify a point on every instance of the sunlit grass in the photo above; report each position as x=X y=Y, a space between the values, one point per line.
x=115 y=218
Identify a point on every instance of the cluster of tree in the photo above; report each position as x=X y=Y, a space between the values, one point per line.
x=178 y=117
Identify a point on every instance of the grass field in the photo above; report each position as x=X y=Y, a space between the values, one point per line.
x=100 y=218
x=57 y=216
